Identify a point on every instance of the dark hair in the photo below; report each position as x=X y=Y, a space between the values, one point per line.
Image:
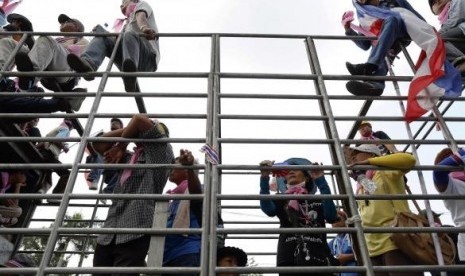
x=443 y=154
x=116 y=120
x=232 y=251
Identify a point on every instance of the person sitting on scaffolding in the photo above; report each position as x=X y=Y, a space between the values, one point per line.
x=121 y=249
x=379 y=213
x=389 y=31
x=134 y=53
x=11 y=182
x=452 y=183
x=366 y=133
x=51 y=152
x=451 y=16
x=49 y=54
x=312 y=249
x=8 y=43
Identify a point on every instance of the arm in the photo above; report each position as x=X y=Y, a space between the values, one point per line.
x=143 y=24
x=400 y=160
x=268 y=207
x=329 y=208
x=441 y=178
x=138 y=124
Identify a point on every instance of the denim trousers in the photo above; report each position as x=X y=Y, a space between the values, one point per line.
x=132 y=47
x=29 y=105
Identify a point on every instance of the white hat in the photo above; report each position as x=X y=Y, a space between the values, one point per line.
x=369 y=148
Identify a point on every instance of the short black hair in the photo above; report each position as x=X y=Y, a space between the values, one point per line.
x=116 y=120
x=232 y=251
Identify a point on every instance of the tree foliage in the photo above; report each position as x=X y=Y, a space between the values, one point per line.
x=65 y=243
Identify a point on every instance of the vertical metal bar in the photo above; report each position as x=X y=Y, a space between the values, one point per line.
x=339 y=156
x=72 y=178
x=207 y=237
x=421 y=178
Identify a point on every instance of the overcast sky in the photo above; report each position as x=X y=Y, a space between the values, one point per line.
x=244 y=55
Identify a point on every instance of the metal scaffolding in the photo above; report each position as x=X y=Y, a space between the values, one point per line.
x=216 y=175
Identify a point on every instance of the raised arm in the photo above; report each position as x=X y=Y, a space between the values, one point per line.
x=329 y=208
x=266 y=205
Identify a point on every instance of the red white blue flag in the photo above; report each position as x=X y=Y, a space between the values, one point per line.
x=211 y=154
x=435 y=76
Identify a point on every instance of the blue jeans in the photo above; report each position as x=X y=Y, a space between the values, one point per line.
x=94 y=159
x=132 y=47
x=29 y=105
x=393 y=29
x=187 y=260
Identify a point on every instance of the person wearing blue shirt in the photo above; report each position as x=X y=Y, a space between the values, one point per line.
x=183 y=250
x=341 y=245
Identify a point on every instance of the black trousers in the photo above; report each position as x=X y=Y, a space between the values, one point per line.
x=128 y=254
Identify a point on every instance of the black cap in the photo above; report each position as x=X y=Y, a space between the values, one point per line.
x=26 y=25
x=238 y=253
x=63 y=18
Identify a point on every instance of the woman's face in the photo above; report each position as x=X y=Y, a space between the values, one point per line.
x=295 y=177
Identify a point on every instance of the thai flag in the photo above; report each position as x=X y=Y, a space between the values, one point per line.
x=211 y=154
x=435 y=77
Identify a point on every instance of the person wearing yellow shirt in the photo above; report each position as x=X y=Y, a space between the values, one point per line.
x=381 y=213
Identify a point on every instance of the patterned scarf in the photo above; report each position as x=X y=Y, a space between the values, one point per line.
x=298 y=189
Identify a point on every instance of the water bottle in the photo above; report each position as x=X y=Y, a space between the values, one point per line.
x=368 y=185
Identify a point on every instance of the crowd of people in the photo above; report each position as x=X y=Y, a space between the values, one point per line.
x=139 y=52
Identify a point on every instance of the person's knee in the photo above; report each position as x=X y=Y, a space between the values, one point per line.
x=392 y=23
x=43 y=40
x=8 y=42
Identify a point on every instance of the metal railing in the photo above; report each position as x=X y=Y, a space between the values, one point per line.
x=216 y=175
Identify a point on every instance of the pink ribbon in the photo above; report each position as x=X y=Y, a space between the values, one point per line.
x=127 y=172
x=444 y=14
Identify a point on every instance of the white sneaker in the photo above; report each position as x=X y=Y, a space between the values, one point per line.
x=8 y=221
x=10 y=212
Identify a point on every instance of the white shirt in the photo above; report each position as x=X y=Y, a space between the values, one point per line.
x=456 y=208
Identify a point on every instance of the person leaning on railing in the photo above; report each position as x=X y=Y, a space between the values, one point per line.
x=129 y=250
x=381 y=213
x=300 y=249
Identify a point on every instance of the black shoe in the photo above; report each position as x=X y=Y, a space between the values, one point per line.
x=365 y=69
x=129 y=82
x=24 y=64
x=80 y=65
x=362 y=88
x=7 y=85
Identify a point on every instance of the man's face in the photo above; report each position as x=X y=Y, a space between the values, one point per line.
x=228 y=261
x=114 y=125
x=365 y=130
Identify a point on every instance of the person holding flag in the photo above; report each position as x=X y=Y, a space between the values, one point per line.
x=434 y=76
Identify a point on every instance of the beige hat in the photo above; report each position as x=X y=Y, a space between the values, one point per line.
x=369 y=148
